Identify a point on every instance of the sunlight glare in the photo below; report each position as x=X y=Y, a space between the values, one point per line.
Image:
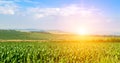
x=82 y=31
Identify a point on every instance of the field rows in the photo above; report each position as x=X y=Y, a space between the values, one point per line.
x=59 y=52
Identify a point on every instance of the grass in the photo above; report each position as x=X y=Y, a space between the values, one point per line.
x=17 y=35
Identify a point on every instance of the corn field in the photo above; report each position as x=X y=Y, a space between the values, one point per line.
x=59 y=52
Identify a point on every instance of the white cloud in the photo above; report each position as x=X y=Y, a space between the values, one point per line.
x=42 y=12
x=8 y=7
x=38 y=12
x=65 y=11
x=69 y=10
x=39 y=16
x=11 y=8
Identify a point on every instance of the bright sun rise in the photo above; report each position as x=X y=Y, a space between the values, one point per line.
x=82 y=31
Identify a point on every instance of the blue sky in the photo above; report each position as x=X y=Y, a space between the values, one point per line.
x=68 y=15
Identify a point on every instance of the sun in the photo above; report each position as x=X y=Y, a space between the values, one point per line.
x=82 y=31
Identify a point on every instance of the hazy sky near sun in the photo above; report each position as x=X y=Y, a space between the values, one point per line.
x=68 y=15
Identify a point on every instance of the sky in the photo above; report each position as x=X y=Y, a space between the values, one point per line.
x=97 y=16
